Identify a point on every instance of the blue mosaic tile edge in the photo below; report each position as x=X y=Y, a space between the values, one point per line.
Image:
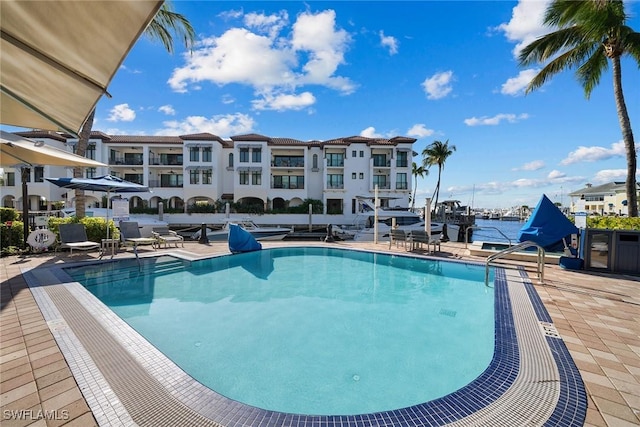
x=571 y=409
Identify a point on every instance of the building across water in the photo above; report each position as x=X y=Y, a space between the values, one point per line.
x=194 y=173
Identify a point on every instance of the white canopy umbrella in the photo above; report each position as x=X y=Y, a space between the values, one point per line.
x=16 y=151
x=24 y=154
x=59 y=56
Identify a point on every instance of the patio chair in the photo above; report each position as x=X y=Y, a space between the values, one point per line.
x=166 y=236
x=74 y=236
x=398 y=236
x=130 y=235
x=420 y=237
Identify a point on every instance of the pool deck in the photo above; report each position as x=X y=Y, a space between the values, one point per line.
x=597 y=316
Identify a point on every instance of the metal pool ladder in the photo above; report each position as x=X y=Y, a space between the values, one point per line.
x=509 y=250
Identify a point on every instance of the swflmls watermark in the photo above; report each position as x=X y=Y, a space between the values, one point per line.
x=35 y=414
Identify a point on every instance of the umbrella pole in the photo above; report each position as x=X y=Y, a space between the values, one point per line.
x=108 y=193
x=25 y=204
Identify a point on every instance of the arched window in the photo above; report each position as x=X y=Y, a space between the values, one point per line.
x=230 y=160
x=315 y=161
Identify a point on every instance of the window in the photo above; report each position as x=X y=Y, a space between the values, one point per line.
x=335 y=159
x=244 y=155
x=27 y=172
x=133 y=177
x=256 y=178
x=90 y=152
x=361 y=153
x=11 y=179
x=256 y=155
x=288 y=181
x=354 y=153
x=206 y=154
x=207 y=176
x=194 y=177
x=361 y=175
x=230 y=160
x=288 y=161
x=132 y=158
x=380 y=181
x=353 y=175
x=402 y=159
x=91 y=173
x=315 y=161
x=335 y=181
x=171 y=180
x=244 y=177
x=379 y=160
x=401 y=181
x=194 y=154
x=38 y=174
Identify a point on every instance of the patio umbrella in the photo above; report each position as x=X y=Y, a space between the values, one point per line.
x=108 y=183
x=23 y=153
x=58 y=57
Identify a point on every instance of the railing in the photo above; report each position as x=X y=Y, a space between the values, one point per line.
x=475 y=227
x=521 y=246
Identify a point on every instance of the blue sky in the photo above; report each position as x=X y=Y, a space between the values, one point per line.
x=432 y=70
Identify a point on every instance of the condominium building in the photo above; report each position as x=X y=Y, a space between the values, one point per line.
x=187 y=170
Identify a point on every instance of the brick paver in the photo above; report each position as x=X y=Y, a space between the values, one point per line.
x=598 y=317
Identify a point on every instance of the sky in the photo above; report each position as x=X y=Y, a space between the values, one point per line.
x=430 y=70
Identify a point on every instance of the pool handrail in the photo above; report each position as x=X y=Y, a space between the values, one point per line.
x=475 y=227
x=511 y=249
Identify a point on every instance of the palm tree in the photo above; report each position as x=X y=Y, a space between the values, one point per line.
x=162 y=27
x=589 y=34
x=437 y=153
x=417 y=171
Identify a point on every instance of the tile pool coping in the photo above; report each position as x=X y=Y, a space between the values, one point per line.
x=531 y=379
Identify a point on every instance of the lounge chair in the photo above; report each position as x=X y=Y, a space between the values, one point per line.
x=166 y=236
x=74 y=236
x=420 y=237
x=398 y=236
x=130 y=235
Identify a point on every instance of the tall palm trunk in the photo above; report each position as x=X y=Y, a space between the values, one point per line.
x=627 y=137
x=81 y=150
x=436 y=192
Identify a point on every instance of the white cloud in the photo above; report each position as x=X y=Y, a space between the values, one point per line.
x=222 y=125
x=121 y=113
x=609 y=175
x=556 y=175
x=420 y=130
x=526 y=23
x=284 y=102
x=531 y=166
x=593 y=154
x=389 y=42
x=495 y=120
x=228 y=99
x=267 y=24
x=439 y=85
x=370 y=132
x=517 y=85
x=275 y=66
x=168 y=110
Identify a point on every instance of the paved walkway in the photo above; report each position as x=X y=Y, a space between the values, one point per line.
x=598 y=316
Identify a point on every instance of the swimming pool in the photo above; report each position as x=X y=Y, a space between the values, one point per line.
x=318 y=331
x=531 y=379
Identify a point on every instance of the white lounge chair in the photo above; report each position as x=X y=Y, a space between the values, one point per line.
x=74 y=236
x=130 y=235
x=166 y=236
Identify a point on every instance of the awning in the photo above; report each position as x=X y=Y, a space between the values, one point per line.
x=58 y=57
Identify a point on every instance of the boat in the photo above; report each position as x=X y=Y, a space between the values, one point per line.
x=458 y=220
x=145 y=223
x=247 y=224
x=363 y=227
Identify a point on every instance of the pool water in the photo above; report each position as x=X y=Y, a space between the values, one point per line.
x=316 y=331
